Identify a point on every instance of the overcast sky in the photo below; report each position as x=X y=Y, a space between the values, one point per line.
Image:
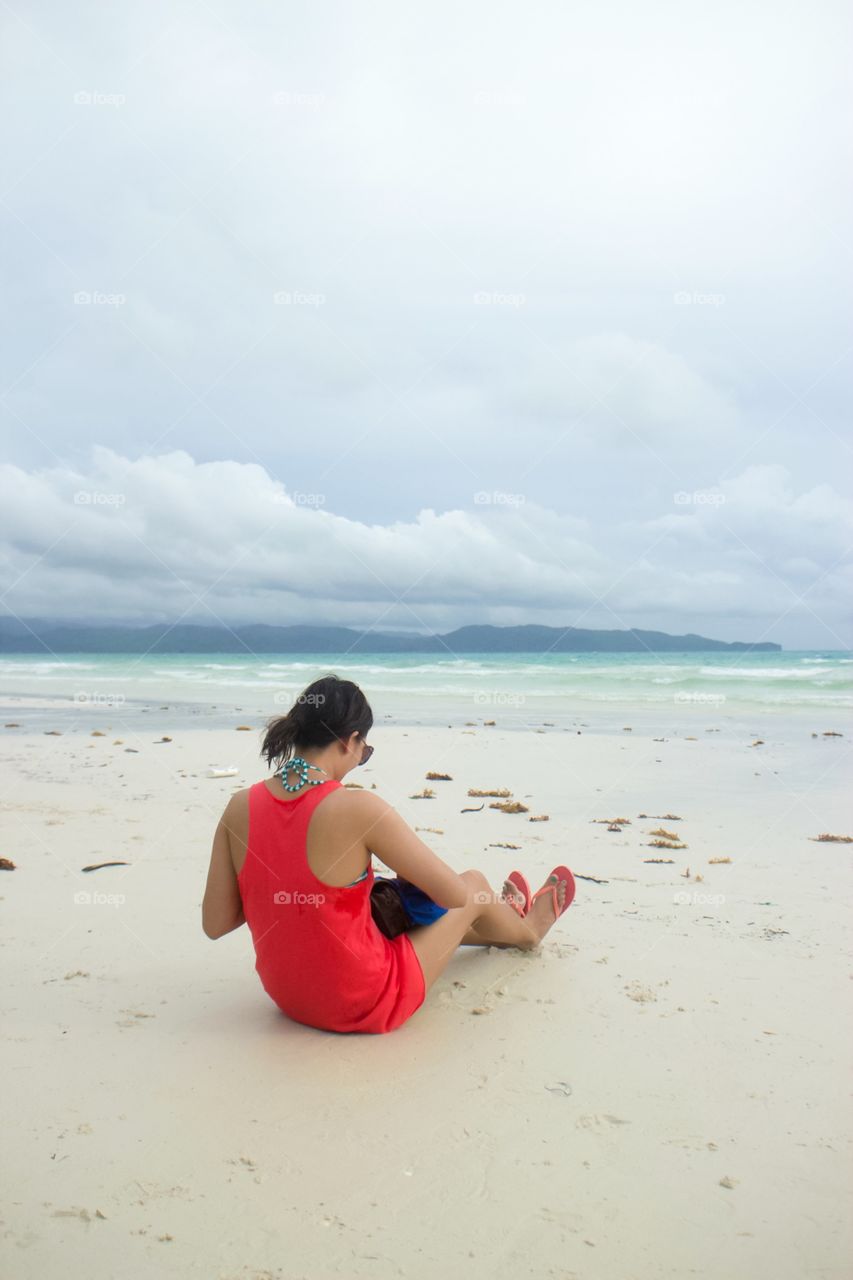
x=414 y=315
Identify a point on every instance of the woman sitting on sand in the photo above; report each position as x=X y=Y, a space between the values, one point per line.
x=292 y=858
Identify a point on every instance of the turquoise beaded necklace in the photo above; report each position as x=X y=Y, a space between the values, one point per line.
x=300 y=766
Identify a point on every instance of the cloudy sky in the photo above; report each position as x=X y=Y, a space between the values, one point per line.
x=409 y=316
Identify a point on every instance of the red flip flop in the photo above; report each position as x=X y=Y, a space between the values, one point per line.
x=516 y=878
x=562 y=873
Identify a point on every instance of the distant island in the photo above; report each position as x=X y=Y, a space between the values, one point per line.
x=35 y=635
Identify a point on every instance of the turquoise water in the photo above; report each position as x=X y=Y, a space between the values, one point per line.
x=511 y=688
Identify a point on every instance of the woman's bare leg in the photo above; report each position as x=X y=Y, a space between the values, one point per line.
x=493 y=922
x=475 y=939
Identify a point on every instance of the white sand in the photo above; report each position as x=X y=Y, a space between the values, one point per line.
x=658 y=1092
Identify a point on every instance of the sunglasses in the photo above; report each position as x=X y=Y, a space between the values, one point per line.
x=366 y=754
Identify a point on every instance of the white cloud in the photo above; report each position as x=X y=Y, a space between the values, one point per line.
x=164 y=536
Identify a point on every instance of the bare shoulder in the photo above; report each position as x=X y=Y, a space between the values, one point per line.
x=237 y=808
x=367 y=803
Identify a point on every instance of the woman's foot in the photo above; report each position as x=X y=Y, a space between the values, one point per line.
x=512 y=895
x=541 y=916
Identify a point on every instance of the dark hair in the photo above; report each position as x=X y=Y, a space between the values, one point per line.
x=327 y=710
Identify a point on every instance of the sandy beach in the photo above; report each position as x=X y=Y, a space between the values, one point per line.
x=659 y=1091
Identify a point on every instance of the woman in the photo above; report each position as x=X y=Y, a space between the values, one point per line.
x=292 y=857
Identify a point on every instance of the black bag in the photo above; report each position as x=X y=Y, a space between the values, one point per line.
x=386 y=907
x=397 y=905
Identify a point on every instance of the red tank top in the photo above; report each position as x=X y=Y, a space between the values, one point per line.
x=318 y=953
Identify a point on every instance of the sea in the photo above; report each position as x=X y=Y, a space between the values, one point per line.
x=604 y=691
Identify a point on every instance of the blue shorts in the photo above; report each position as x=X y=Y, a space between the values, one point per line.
x=420 y=908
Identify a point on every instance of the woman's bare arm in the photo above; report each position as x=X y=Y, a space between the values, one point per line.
x=392 y=839
x=222 y=907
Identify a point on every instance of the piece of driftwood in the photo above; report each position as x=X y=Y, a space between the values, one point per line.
x=577 y=875
x=96 y=866
x=482 y=806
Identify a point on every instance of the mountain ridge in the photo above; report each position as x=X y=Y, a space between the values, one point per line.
x=38 y=635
